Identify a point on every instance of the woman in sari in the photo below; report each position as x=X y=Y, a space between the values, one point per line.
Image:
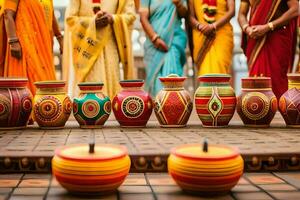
x=270 y=38
x=30 y=26
x=212 y=35
x=98 y=36
x=166 y=42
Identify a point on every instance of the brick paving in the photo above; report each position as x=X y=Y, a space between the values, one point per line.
x=252 y=186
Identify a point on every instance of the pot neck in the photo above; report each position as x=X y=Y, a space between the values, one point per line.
x=41 y=91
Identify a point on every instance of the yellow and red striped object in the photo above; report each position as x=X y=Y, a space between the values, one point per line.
x=212 y=172
x=80 y=171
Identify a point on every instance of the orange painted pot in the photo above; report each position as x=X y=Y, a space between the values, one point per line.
x=102 y=171
x=212 y=172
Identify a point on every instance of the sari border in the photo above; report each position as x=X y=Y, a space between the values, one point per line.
x=259 y=45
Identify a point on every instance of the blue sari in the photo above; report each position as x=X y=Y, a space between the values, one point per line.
x=167 y=24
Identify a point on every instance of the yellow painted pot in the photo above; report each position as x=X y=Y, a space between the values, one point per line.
x=207 y=171
x=82 y=170
x=51 y=106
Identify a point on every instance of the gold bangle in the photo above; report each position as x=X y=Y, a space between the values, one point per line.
x=271 y=26
x=154 y=38
x=245 y=26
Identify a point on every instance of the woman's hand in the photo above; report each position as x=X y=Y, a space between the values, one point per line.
x=207 y=29
x=16 y=50
x=103 y=19
x=259 y=31
x=161 y=45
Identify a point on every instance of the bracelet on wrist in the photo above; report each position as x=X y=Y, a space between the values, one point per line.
x=271 y=26
x=245 y=26
x=154 y=38
x=13 y=40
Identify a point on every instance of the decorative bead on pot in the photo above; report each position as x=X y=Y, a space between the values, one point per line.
x=209 y=170
x=257 y=104
x=289 y=103
x=173 y=104
x=132 y=106
x=92 y=108
x=52 y=107
x=215 y=100
x=15 y=103
x=85 y=169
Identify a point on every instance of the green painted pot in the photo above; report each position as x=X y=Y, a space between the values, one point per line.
x=92 y=108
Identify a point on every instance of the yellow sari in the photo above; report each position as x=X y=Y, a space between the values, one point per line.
x=215 y=55
x=34 y=30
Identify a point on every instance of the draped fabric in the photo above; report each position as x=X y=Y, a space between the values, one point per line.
x=33 y=29
x=167 y=24
x=213 y=54
x=97 y=53
x=273 y=54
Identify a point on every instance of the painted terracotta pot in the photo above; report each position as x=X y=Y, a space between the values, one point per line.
x=132 y=106
x=80 y=170
x=257 y=104
x=289 y=103
x=51 y=107
x=173 y=104
x=92 y=108
x=15 y=103
x=215 y=100
x=209 y=172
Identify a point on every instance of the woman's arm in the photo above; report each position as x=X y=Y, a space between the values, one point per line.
x=154 y=37
x=10 y=26
x=228 y=16
x=192 y=16
x=291 y=13
x=181 y=8
x=57 y=33
x=242 y=17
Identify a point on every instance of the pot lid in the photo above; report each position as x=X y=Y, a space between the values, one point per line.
x=132 y=83
x=205 y=153
x=103 y=152
x=172 y=78
x=294 y=77
x=91 y=86
x=256 y=82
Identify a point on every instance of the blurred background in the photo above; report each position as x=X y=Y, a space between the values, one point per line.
x=239 y=62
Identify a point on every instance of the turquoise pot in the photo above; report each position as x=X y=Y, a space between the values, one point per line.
x=92 y=108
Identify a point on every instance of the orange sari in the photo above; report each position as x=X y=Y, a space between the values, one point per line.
x=35 y=35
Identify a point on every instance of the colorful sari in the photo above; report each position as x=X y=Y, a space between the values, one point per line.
x=34 y=30
x=273 y=54
x=94 y=53
x=167 y=24
x=212 y=54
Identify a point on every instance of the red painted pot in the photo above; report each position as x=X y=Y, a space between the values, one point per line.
x=257 y=104
x=173 y=104
x=215 y=100
x=289 y=103
x=15 y=103
x=132 y=106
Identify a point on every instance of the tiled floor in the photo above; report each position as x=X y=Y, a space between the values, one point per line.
x=253 y=186
x=153 y=139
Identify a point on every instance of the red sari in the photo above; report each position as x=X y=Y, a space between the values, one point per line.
x=273 y=54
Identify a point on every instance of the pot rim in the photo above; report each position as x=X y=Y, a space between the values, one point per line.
x=235 y=153
x=123 y=153
x=50 y=84
x=132 y=83
x=13 y=82
x=256 y=78
x=294 y=77
x=172 y=79
x=216 y=77
x=91 y=84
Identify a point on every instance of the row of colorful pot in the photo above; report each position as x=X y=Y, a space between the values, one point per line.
x=207 y=170
x=215 y=102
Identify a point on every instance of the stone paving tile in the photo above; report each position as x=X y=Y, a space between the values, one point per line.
x=291 y=177
x=286 y=195
x=136 y=197
x=30 y=191
x=11 y=176
x=277 y=187
x=252 y=196
x=135 y=179
x=5 y=190
x=8 y=183
x=37 y=176
x=264 y=178
x=3 y=196
x=189 y=197
x=26 y=198
x=34 y=183
x=245 y=188
x=134 y=189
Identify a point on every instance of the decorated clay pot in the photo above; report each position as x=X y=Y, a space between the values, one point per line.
x=173 y=104
x=52 y=107
x=92 y=108
x=212 y=170
x=257 y=104
x=215 y=100
x=82 y=170
x=15 y=103
x=289 y=103
x=132 y=106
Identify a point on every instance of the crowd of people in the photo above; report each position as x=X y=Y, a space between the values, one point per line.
x=97 y=47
